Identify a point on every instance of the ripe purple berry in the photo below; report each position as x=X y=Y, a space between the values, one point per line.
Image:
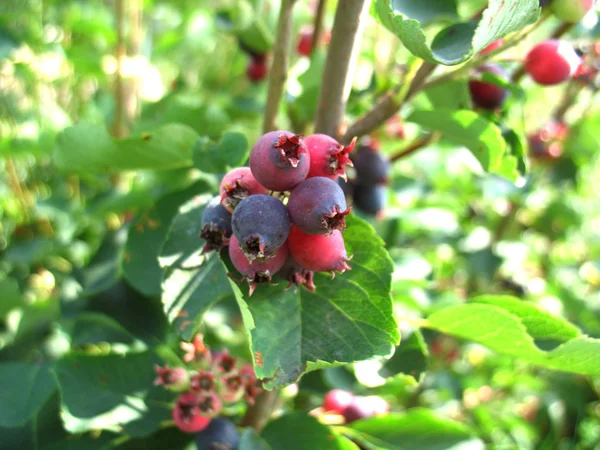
x=328 y=158
x=256 y=272
x=488 y=95
x=238 y=184
x=370 y=199
x=280 y=160
x=318 y=206
x=261 y=224
x=371 y=166
x=318 y=252
x=221 y=434
x=216 y=225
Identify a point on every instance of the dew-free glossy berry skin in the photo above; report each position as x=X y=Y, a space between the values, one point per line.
x=370 y=199
x=337 y=400
x=261 y=224
x=280 y=160
x=493 y=46
x=552 y=62
x=328 y=158
x=221 y=434
x=363 y=407
x=318 y=206
x=319 y=252
x=571 y=11
x=371 y=166
x=488 y=95
x=304 y=46
x=257 y=272
x=238 y=184
x=216 y=225
x=257 y=69
x=187 y=416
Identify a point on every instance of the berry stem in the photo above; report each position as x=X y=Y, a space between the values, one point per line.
x=339 y=65
x=258 y=414
x=279 y=66
x=318 y=27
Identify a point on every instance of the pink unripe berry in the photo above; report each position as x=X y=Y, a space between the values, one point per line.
x=328 y=158
x=187 y=415
x=364 y=407
x=238 y=184
x=319 y=252
x=203 y=381
x=337 y=400
x=209 y=404
x=232 y=388
x=175 y=379
x=552 y=62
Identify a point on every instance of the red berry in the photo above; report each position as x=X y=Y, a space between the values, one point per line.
x=488 y=95
x=280 y=160
x=209 y=404
x=394 y=127
x=318 y=206
x=233 y=388
x=552 y=62
x=328 y=158
x=256 y=272
x=319 y=252
x=337 y=400
x=493 y=46
x=223 y=362
x=238 y=184
x=203 y=381
x=363 y=407
x=571 y=11
x=542 y=149
x=187 y=414
x=304 y=46
x=257 y=69
x=175 y=379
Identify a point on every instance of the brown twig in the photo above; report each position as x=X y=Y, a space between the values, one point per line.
x=119 y=127
x=258 y=414
x=318 y=27
x=569 y=98
x=412 y=148
x=339 y=65
x=279 y=66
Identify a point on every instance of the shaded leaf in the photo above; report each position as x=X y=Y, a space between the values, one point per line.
x=410 y=358
x=231 y=151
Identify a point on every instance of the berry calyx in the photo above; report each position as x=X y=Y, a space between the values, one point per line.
x=487 y=95
x=209 y=404
x=175 y=379
x=223 y=362
x=571 y=11
x=318 y=206
x=221 y=434
x=552 y=62
x=216 y=226
x=297 y=275
x=233 y=388
x=319 y=252
x=337 y=400
x=328 y=158
x=203 y=381
x=238 y=184
x=280 y=160
x=257 y=271
x=261 y=225
x=187 y=414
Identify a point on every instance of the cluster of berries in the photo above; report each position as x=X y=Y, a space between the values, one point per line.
x=295 y=231
x=354 y=407
x=210 y=380
x=368 y=188
x=547 y=143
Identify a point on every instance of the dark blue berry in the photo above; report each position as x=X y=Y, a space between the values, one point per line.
x=318 y=206
x=221 y=434
x=261 y=224
x=370 y=199
x=216 y=225
x=371 y=166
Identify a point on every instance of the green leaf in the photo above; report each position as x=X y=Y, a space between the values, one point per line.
x=460 y=41
x=417 y=429
x=7 y=44
x=231 y=151
x=411 y=358
x=89 y=148
x=93 y=328
x=346 y=319
x=451 y=95
x=25 y=389
x=104 y=269
x=111 y=392
x=298 y=431
x=193 y=281
x=249 y=440
x=147 y=235
x=467 y=128
x=501 y=329
x=11 y=296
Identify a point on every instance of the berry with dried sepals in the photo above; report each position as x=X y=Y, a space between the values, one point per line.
x=216 y=226
x=232 y=388
x=223 y=362
x=328 y=158
x=487 y=95
x=297 y=275
x=319 y=252
x=238 y=184
x=209 y=404
x=187 y=414
x=202 y=381
x=175 y=379
x=552 y=62
x=318 y=206
x=261 y=225
x=280 y=160
x=221 y=434
x=257 y=272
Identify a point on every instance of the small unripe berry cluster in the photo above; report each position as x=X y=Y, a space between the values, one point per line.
x=354 y=407
x=209 y=380
x=547 y=143
x=368 y=189
x=285 y=213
